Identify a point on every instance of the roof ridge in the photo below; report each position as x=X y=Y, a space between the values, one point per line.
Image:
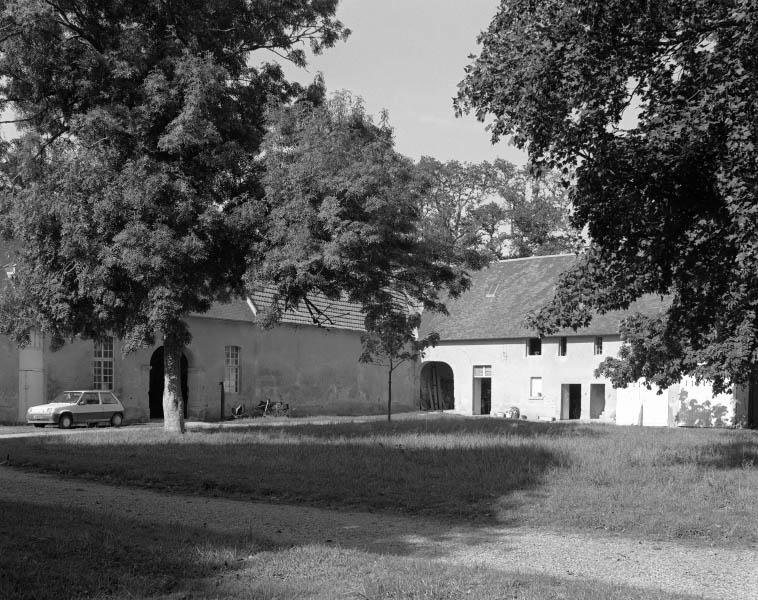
x=508 y=260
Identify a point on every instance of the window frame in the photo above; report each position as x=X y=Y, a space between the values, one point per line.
x=103 y=367
x=539 y=395
x=563 y=346
x=529 y=346
x=597 y=347
x=232 y=369
x=485 y=373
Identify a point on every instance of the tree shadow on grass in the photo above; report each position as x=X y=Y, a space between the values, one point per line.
x=59 y=552
x=62 y=552
x=452 y=475
x=423 y=424
x=732 y=454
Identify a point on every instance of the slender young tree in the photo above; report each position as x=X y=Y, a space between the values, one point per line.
x=134 y=189
x=391 y=341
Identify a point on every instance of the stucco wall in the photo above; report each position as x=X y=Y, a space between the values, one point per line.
x=512 y=370
x=315 y=371
x=8 y=381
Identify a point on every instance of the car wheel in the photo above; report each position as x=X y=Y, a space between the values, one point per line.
x=117 y=419
x=65 y=421
x=39 y=424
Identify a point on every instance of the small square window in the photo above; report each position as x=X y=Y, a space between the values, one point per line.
x=598 y=345
x=562 y=346
x=535 y=387
x=534 y=347
x=483 y=371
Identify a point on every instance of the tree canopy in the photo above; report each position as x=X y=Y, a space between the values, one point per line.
x=648 y=108
x=130 y=190
x=342 y=216
x=494 y=207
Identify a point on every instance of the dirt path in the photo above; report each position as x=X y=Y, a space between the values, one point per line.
x=715 y=573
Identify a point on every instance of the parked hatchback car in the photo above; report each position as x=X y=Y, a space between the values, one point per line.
x=86 y=407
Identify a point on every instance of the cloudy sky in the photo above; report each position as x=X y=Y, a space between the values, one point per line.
x=407 y=56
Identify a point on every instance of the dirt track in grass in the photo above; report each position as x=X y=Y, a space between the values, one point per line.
x=677 y=568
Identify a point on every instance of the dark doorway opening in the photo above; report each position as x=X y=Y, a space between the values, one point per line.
x=571 y=401
x=486 y=395
x=437 y=386
x=155 y=393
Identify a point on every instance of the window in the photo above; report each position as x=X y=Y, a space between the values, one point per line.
x=535 y=387
x=491 y=290
x=89 y=398
x=483 y=371
x=232 y=369
x=102 y=364
x=107 y=398
x=562 y=344
x=534 y=347
x=598 y=345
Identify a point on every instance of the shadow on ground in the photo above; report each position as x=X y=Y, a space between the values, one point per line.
x=71 y=552
x=457 y=471
x=74 y=552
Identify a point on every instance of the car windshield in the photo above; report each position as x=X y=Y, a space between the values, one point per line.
x=67 y=397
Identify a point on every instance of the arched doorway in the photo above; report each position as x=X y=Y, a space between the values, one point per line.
x=155 y=392
x=437 y=386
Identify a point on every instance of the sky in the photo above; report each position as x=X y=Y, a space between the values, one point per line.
x=408 y=56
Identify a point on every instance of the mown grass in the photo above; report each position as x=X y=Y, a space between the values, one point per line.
x=70 y=553
x=696 y=485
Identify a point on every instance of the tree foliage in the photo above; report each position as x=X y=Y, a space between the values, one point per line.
x=132 y=189
x=393 y=341
x=342 y=216
x=495 y=208
x=649 y=107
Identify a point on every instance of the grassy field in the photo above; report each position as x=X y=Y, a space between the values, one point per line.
x=697 y=485
x=85 y=555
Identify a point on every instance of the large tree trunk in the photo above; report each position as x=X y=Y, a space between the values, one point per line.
x=173 y=403
x=389 y=395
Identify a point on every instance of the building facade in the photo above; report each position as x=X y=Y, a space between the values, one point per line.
x=487 y=362
x=313 y=369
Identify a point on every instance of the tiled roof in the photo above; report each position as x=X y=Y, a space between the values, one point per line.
x=502 y=294
x=336 y=314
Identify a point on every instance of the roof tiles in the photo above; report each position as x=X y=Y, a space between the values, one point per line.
x=502 y=294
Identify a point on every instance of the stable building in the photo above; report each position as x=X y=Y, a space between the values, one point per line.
x=488 y=362
x=312 y=368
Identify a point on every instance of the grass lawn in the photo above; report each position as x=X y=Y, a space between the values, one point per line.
x=687 y=484
x=87 y=555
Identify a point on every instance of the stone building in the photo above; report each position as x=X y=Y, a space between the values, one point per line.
x=313 y=369
x=487 y=362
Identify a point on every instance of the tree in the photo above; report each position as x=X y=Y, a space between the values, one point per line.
x=648 y=108
x=496 y=208
x=343 y=221
x=135 y=181
x=392 y=342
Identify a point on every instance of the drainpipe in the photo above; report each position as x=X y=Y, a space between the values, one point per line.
x=221 y=392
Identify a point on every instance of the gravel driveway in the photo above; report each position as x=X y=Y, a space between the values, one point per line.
x=708 y=572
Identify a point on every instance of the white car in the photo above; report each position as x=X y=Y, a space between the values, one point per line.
x=87 y=407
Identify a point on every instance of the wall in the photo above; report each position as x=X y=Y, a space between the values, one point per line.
x=8 y=381
x=315 y=371
x=512 y=370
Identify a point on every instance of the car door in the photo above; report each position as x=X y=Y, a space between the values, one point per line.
x=109 y=405
x=88 y=408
